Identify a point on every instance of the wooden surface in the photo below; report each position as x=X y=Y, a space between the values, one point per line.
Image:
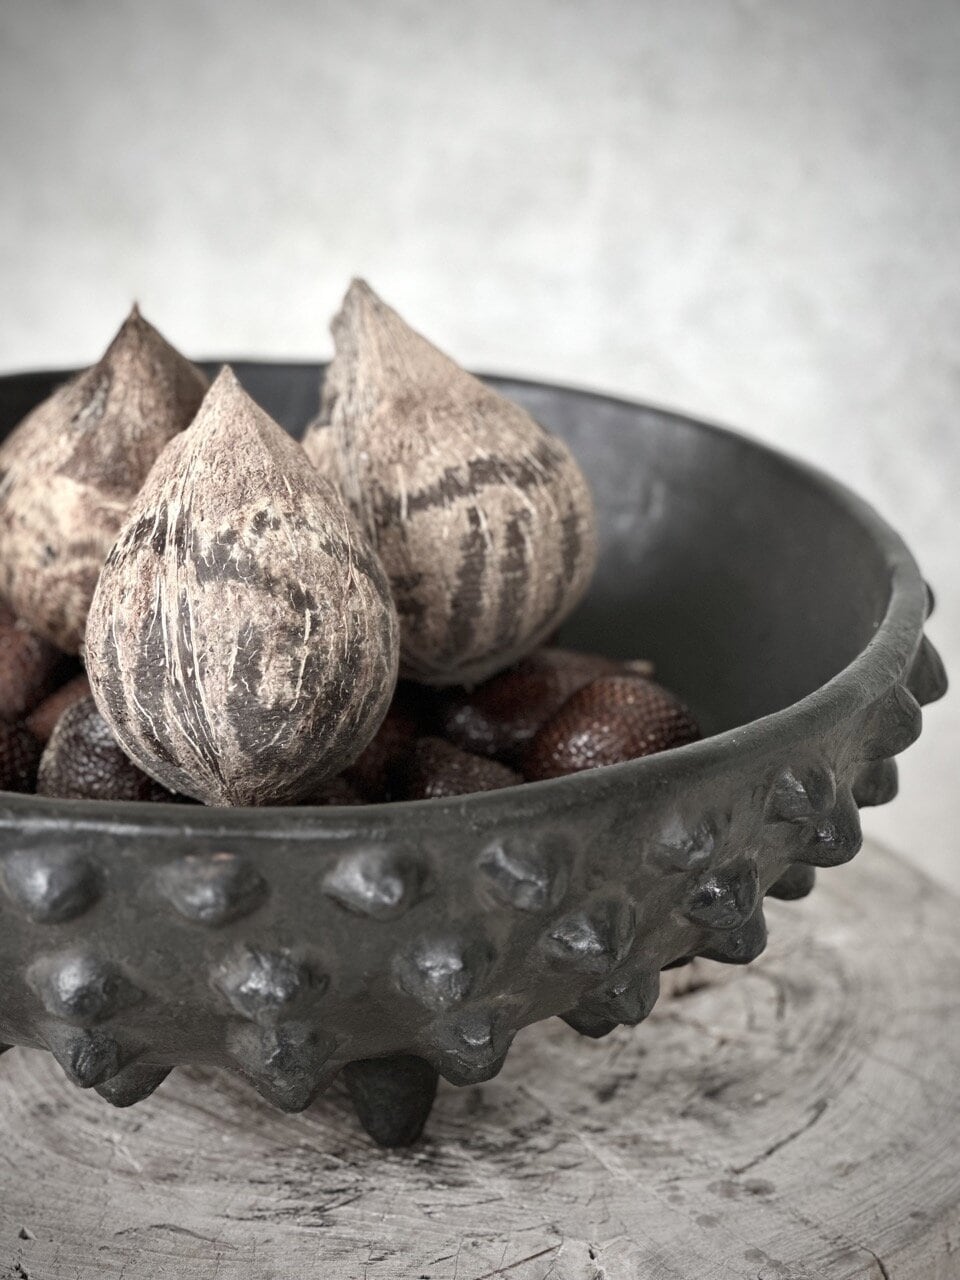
x=793 y=1120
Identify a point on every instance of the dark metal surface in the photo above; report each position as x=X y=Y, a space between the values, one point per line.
x=286 y=944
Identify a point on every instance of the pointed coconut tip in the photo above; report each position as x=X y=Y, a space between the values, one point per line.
x=129 y=337
x=135 y=325
x=376 y=348
x=361 y=299
x=150 y=354
x=228 y=405
x=360 y=289
x=226 y=384
x=230 y=423
x=360 y=304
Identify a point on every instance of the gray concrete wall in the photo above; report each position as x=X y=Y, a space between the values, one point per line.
x=749 y=210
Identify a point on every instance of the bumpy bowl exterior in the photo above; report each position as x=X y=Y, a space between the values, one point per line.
x=396 y=942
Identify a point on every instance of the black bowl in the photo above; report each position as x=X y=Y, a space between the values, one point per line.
x=402 y=940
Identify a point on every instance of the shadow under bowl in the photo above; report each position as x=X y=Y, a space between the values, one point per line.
x=398 y=941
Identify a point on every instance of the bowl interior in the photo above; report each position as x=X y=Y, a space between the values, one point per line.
x=747 y=581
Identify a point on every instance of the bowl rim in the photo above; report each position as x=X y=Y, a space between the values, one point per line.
x=882 y=661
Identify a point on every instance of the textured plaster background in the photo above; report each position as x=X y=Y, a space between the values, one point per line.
x=749 y=210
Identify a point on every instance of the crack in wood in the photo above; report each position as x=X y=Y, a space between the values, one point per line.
x=512 y=1266
x=878 y=1260
x=172 y=1227
x=817 y=1111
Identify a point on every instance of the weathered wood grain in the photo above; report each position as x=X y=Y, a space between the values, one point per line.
x=794 y=1120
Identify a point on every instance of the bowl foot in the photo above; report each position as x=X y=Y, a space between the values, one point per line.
x=796 y=882
x=131 y=1085
x=392 y=1096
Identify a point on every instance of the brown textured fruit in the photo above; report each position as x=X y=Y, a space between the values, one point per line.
x=376 y=769
x=70 y=470
x=82 y=761
x=28 y=666
x=498 y=718
x=19 y=757
x=611 y=719
x=41 y=721
x=483 y=520
x=437 y=770
x=242 y=641
x=337 y=791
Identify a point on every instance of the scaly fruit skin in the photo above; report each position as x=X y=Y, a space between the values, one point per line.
x=72 y=467
x=43 y=719
x=609 y=720
x=483 y=520
x=82 y=761
x=337 y=791
x=436 y=770
x=375 y=772
x=499 y=717
x=19 y=757
x=28 y=666
x=242 y=641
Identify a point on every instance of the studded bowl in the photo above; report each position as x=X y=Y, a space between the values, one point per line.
x=399 y=941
